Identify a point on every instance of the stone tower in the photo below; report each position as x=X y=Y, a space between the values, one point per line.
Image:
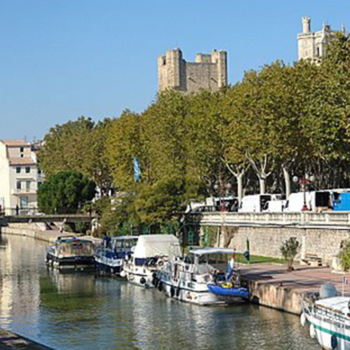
x=313 y=45
x=209 y=71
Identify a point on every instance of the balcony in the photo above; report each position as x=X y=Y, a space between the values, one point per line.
x=18 y=191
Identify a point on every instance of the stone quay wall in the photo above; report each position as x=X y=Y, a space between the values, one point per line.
x=321 y=235
x=266 y=241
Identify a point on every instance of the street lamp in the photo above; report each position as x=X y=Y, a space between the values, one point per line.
x=304 y=181
x=222 y=189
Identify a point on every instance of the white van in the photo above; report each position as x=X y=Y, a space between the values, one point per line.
x=315 y=201
x=254 y=203
x=275 y=206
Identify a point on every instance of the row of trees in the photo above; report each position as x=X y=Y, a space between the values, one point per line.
x=277 y=122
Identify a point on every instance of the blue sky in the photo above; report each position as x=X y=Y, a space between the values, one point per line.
x=60 y=59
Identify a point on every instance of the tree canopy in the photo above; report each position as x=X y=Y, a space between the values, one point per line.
x=65 y=193
x=279 y=121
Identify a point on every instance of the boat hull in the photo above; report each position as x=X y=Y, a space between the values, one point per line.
x=139 y=275
x=109 y=266
x=199 y=296
x=77 y=262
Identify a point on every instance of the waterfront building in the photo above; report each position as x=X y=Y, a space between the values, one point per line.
x=209 y=71
x=313 y=45
x=20 y=176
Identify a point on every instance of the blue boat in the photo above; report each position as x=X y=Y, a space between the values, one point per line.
x=110 y=255
x=229 y=293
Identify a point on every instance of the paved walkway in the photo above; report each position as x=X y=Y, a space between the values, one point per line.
x=10 y=341
x=302 y=279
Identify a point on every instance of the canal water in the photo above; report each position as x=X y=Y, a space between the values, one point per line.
x=81 y=311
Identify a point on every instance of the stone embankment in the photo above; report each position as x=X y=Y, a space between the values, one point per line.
x=40 y=231
x=11 y=341
x=271 y=285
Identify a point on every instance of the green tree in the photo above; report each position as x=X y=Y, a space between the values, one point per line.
x=290 y=249
x=345 y=256
x=65 y=193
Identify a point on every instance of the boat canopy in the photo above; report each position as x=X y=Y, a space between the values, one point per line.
x=150 y=246
x=336 y=304
x=206 y=251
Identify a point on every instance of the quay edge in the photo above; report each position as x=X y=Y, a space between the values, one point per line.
x=12 y=341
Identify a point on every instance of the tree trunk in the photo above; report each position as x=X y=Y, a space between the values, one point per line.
x=262 y=183
x=287 y=181
x=239 y=178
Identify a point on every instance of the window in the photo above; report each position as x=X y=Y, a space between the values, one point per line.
x=22 y=155
x=22 y=149
x=28 y=185
x=39 y=171
x=27 y=169
x=18 y=170
x=18 y=185
x=24 y=202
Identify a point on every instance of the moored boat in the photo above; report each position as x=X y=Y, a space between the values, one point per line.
x=150 y=254
x=201 y=278
x=329 y=319
x=71 y=252
x=110 y=255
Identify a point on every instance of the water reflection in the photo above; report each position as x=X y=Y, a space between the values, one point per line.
x=81 y=311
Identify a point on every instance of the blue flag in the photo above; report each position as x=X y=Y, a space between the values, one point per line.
x=137 y=170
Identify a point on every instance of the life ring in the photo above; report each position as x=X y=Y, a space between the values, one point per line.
x=160 y=263
x=302 y=319
x=312 y=331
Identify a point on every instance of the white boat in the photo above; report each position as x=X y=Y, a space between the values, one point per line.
x=329 y=321
x=110 y=255
x=70 y=252
x=151 y=251
x=200 y=278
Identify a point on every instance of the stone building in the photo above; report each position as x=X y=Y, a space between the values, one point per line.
x=313 y=45
x=209 y=71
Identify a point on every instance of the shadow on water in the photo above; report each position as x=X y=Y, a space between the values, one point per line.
x=82 y=311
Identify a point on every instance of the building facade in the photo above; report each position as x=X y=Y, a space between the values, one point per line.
x=19 y=177
x=313 y=45
x=209 y=71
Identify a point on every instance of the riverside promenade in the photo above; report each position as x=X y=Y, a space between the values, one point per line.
x=271 y=285
x=11 y=341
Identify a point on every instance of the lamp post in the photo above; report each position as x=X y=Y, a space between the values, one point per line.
x=222 y=189
x=304 y=181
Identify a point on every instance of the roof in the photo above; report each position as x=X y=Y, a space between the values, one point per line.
x=21 y=161
x=204 y=251
x=15 y=142
x=337 y=304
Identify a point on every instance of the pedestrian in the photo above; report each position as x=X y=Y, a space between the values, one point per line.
x=17 y=209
